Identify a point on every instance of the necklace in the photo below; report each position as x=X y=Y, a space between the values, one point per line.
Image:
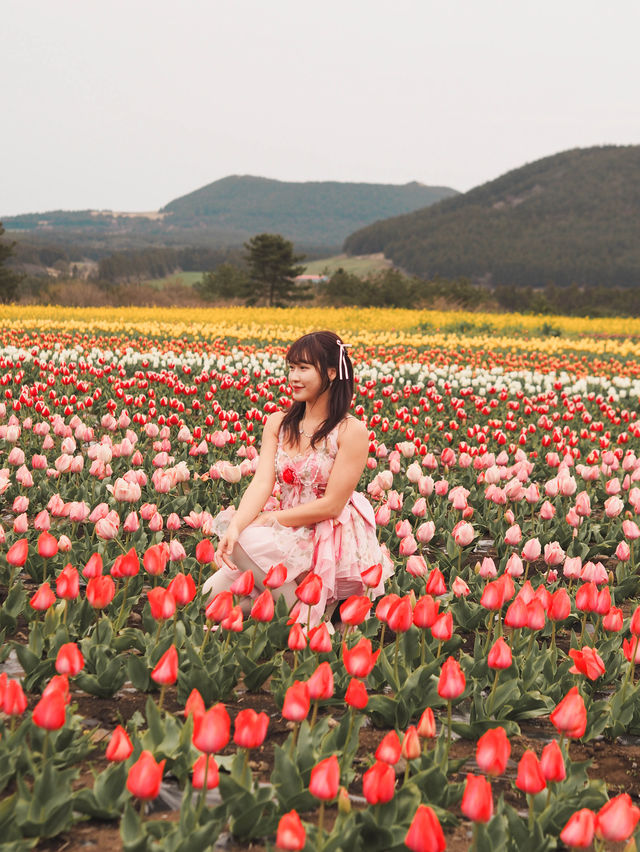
x=302 y=432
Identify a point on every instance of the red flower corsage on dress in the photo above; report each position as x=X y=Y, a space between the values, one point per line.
x=290 y=476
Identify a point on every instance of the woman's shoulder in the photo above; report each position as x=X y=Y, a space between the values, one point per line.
x=352 y=429
x=274 y=421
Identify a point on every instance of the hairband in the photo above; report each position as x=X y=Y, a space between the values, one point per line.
x=343 y=370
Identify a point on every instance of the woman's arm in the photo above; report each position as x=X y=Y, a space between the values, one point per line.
x=353 y=449
x=261 y=486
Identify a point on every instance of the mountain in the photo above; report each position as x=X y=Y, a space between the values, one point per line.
x=229 y=211
x=570 y=218
x=314 y=212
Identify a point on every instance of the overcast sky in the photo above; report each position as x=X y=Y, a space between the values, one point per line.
x=127 y=104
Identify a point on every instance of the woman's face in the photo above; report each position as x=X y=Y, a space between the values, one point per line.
x=305 y=381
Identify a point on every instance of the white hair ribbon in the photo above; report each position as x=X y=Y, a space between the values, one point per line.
x=343 y=370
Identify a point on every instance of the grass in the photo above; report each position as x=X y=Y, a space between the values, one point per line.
x=187 y=279
x=362 y=264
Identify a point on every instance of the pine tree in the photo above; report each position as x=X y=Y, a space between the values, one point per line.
x=9 y=279
x=272 y=270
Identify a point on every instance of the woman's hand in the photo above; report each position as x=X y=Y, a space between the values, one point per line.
x=226 y=545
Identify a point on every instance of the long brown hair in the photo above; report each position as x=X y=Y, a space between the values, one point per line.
x=323 y=350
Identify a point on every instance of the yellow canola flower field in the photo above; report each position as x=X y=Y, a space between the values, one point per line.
x=619 y=336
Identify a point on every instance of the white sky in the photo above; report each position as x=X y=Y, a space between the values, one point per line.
x=127 y=104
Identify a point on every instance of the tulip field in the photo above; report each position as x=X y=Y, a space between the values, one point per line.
x=489 y=700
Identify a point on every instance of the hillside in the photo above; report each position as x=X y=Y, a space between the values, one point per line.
x=571 y=217
x=315 y=212
x=229 y=211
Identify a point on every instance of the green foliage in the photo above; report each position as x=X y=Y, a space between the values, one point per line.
x=272 y=269
x=226 y=282
x=9 y=279
x=567 y=218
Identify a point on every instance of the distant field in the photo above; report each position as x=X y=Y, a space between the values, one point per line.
x=187 y=279
x=362 y=264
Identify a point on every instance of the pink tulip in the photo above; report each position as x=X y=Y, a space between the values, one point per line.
x=513 y=536
x=583 y=504
x=623 y=551
x=425 y=532
x=553 y=554
x=408 y=545
x=463 y=533
x=547 y=511
x=613 y=507
x=416 y=565
x=488 y=568
x=531 y=550
x=630 y=530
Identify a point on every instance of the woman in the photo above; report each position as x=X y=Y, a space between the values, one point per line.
x=316 y=452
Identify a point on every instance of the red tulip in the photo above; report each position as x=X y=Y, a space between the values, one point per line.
x=385 y=604
x=291 y=835
x=319 y=639
x=183 y=588
x=587 y=597
x=219 y=607
x=442 y=628
x=47 y=545
x=559 y=606
x=233 y=621
x=276 y=576
x=477 y=799
x=530 y=778
x=492 y=751
x=516 y=614
x=145 y=776
x=119 y=747
x=378 y=783
x=371 y=576
x=552 y=762
x=570 y=716
x=68 y=583
x=243 y=584
x=263 y=607
x=325 y=778
x=425 y=832
x=586 y=661
x=166 y=669
x=43 y=598
x=634 y=626
x=613 y=620
x=194 y=705
x=50 y=712
x=161 y=602
x=94 y=566
x=18 y=552
x=400 y=617
x=296 y=702
x=100 y=591
x=451 y=682
x=310 y=589
x=617 y=819
x=355 y=609
x=211 y=730
x=360 y=660
x=411 y=744
x=499 y=655
x=320 y=683
x=425 y=611
x=126 y=565
x=69 y=660
x=250 y=728
x=389 y=749
x=198 y=772
x=427 y=724
x=356 y=694
x=579 y=830
x=492 y=595
x=155 y=560
x=15 y=701
x=297 y=640
x=435 y=583
x=58 y=683
x=205 y=551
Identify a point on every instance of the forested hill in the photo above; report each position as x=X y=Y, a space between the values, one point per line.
x=229 y=211
x=572 y=217
x=314 y=212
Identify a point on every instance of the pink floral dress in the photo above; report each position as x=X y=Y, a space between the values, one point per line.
x=338 y=550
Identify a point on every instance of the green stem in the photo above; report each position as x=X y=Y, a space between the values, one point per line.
x=163 y=689
x=122 y=608
x=204 y=641
x=583 y=625
x=294 y=739
x=531 y=813
x=492 y=693
x=381 y=645
x=320 y=842
x=422 y=648
x=352 y=719
x=490 y=620
x=203 y=792
x=395 y=662
x=314 y=715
